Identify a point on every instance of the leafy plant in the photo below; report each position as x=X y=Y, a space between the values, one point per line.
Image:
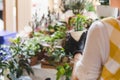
x=54 y=54
x=5 y=56
x=76 y=6
x=89 y=6
x=32 y=46
x=20 y=51
x=64 y=70
x=56 y=27
x=15 y=64
x=78 y=22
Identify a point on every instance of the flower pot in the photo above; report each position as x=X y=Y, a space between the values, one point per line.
x=33 y=60
x=63 y=78
x=41 y=55
x=108 y=11
x=24 y=78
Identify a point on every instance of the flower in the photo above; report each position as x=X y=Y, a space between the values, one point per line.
x=5 y=53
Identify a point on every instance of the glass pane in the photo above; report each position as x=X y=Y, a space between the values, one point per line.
x=40 y=7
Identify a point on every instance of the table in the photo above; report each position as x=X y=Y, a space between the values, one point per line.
x=42 y=73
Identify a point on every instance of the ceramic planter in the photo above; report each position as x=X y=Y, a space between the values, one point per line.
x=106 y=11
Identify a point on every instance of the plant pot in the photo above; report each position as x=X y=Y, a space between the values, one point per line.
x=24 y=78
x=33 y=60
x=3 y=77
x=41 y=55
x=108 y=11
x=63 y=78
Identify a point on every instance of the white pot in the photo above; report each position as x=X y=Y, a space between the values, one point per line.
x=24 y=78
x=63 y=78
x=106 y=11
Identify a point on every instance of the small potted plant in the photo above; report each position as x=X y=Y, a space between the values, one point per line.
x=33 y=48
x=77 y=6
x=15 y=63
x=80 y=24
x=75 y=39
x=64 y=72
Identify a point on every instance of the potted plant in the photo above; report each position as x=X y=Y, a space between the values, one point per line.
x=33 y=48
x=64 y=72
x=14 y=64
x=78 y=22
x=75 y=39
x=77 y=6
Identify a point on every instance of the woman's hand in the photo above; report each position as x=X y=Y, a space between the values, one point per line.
x=77 y=57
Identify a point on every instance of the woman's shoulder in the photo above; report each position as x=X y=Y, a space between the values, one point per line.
x=96 y=26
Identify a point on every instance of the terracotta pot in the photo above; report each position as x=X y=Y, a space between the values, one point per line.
x=41 y=55
x=33 y=60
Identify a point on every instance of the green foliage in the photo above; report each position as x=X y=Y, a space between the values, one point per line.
x=57 y=35
x=64 y=70
x=77 y=6
x=89 y=6
x=79 y=22
x=20 y=51
x=32 y=46
x=17 y=66
x=54 y=53
x=27 y=47
x=52 y=29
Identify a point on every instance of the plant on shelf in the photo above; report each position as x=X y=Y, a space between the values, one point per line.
x=56 y=27
x=32 y=46
x=20 y=51
x=78 y=22
x=54 y=54
x=33 y=49
x=77 y=6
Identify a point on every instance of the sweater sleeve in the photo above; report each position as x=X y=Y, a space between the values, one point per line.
x=95 y=53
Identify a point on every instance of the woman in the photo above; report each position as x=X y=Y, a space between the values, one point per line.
x=101 y=56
